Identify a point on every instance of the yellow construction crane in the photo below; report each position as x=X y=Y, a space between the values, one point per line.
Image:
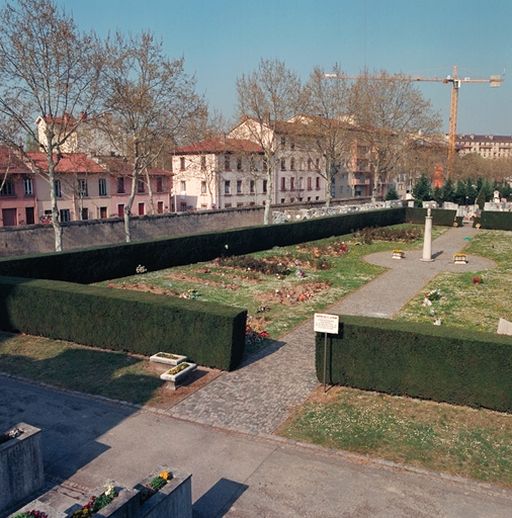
x=456 y=82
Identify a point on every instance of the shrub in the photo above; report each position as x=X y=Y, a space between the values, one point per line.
x=496 y=220
x=420 y=360
x=441 y=217
x=209 y=334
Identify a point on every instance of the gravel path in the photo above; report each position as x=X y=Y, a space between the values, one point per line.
x=257 y=397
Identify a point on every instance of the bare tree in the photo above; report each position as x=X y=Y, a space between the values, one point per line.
x=267 y=97
x=48 y=71
x=389 y=110
x=150 y=100
x=328 y=109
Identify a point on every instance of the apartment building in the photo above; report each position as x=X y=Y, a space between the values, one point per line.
x=86 y=188
x=487 y=146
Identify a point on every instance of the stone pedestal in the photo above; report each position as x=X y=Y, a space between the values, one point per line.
x=21 y=467
x=427 y=238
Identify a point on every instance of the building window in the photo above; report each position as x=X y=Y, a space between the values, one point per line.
x=141 y=209
x=182 y=163
x=239 y=186
x=283 y=141
x=301 y=183
x=227 y=205
x=83 y=189
x=265 y=164
x=28 y=187
x=84 y=213
x=183 y=206
x=292 y=184
x=227 y=187
x=120 y=185
x=120 y=210
x=309 y=183
x=282 y=200
x=203 y=187
x=251 y=186
x=317 y=164
x=103 y=213
x=227 y=163
x=283 y=184
x=102 y=187
x=252 y=164
x=159 y=184
x=265 y=183
x=64 y=215
x=283 y=164
x=292 y=164
x=141 y=188
x=238 y=164
x=160 y=207
x=203 y=163
x=183 y=186
x=310 y=164
x=292 y=145
x=317 y=183
x=239 y=204
x=8 y=188
x=58 y=190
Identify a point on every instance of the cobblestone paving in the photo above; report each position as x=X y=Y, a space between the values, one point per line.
x=257 y=397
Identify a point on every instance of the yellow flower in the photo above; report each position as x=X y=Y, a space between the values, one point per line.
x=166 y=475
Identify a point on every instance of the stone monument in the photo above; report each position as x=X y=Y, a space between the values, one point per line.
x=427 y=238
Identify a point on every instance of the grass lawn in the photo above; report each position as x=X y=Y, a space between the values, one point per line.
x=459 y=440
x=279 y=287
x=469 y=305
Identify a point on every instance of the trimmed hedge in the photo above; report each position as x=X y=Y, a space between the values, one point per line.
x=496 y=220
x=109 y=262
x=420 y=360
x=209 y=334
x=441 y=217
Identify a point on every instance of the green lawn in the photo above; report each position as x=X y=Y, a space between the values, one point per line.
x=464 y=441
x=469 y=305
x=320 y=273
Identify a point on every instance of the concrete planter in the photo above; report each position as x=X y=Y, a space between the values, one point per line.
x=176 y=378
x=125 y=505
x=167 y=358
x=21 y=467
x=174 y=500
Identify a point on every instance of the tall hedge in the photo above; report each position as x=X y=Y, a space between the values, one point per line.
x=441 y=217
x=420 y=360
x=496 y=220
x=210 y=334
x=108 y=262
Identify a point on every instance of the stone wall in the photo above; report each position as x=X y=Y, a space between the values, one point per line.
x=21 y=467
x=79 y=234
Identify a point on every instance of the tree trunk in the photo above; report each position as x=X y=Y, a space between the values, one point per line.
x=150 y=192
x=57 y=228
x=268 y=201
x=128 y=208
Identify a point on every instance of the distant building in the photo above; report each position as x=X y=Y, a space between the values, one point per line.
x=487 y=146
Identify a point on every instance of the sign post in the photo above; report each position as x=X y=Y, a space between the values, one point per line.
x=327 y=324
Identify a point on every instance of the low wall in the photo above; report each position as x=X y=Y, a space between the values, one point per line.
x=21 y=467
x=31 y=239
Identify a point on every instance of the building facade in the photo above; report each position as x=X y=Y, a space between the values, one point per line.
x=487 y=146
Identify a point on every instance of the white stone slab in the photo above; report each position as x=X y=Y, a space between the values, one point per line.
x=504 y=327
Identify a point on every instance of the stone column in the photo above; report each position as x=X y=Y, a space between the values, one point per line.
x=427 y=238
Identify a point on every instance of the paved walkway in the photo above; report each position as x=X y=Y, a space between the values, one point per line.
x=257 y=397
x=87 y=442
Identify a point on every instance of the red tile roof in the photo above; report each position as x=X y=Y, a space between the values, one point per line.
x=220 y=145
x=10 y=161
x=120 y=166
x=69 y=163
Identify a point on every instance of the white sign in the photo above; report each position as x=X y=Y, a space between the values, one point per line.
x=324 y=323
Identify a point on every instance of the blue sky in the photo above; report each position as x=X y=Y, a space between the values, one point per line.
x=221 y=39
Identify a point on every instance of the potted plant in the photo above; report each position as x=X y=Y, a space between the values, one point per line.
x=168 y=358
x=178 y=372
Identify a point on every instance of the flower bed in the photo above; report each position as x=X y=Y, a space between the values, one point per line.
x=96 y=503
x=33 y=513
